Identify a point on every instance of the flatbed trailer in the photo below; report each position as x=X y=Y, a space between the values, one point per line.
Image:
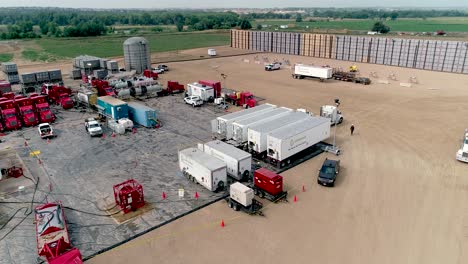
x=253 y=209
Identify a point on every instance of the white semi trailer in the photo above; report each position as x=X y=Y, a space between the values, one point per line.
x=257 y=134
x=240 y=128
x=238 y=162
x=205 y=169
x=302 y=71
x=286 y=144
x=222 y=126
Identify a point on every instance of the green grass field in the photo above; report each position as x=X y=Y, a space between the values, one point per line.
x=412 y=25
x=4 y=57
x=109 y=46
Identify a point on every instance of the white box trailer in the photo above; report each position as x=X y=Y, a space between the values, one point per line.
x=301 y=71
x=241 y=194
x=205 y=169
x=288 y=141
x=238 y=162
x=257 y=134
x=240 y=128
x=206 y=93
x=222 y=125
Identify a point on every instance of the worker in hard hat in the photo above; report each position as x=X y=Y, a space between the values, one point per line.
x=352 y=129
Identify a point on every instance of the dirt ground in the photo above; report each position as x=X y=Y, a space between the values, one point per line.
x=400 y=197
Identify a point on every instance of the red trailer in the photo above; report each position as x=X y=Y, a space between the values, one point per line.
x=215 y=84
x=53 y=241
x=269 y=185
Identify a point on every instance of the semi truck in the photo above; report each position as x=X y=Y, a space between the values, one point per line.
x=202 y=168
x=332 y=113
x=26 y=110
x=302 y=71
x=238 y=162
x=244 y=99
x=286 y=144
x=240 y=128
x=10 y=115
x=173 y=87
x=42 y=108
x=222 y=126
x=257 y=134
x=206 y=93
x=269 y=185
x=58 y=95
x=242 y=198
x=87 y=98
x=114 y=108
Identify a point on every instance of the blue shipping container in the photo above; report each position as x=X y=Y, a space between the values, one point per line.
x=112 y=107
x=142 y=114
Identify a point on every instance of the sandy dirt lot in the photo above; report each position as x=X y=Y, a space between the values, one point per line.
x=400 y=198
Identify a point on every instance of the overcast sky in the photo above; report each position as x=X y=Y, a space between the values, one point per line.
x=232 y=3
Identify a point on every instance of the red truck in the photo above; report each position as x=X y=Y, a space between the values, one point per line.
x=215 y=84
x=42 y=108
x=172 y=88
x=58 y=95
x=25 y=108
x=9 y=115
x=245 y=99
x=9 y=95
x=150 y=74
x=103 y=87
x=269 y=185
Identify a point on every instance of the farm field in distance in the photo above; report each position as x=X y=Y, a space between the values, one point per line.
x=53 y=49
x=448 y=24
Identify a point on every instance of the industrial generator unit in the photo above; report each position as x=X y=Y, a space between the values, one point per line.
x=129 y=195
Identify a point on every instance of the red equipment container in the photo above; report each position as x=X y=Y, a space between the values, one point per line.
x=268 y=181
x=14 y=172
x=215 y=84
x=5 y=87
x=53 y=241
x=129 y=195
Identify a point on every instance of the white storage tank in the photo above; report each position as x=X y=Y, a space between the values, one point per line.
x=207 y=170
x=211 y=52
x=238 y=162
x=137 y=54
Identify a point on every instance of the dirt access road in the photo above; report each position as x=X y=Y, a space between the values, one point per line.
x=400 y=198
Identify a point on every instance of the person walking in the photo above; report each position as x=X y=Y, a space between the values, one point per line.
x=352 y=129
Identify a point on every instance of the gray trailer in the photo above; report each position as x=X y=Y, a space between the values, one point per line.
x=286 y=144
x=202 y=168
x=222 y=126
x=240 y=128
x=257 y=134
x=238 y=162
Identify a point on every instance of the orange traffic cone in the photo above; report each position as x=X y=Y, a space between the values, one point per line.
x=134 y=130
x=103 y=135
x=295 y=198
x=113 y=134
x=196 y=195
x=25 y=143
x=164 y=196
x=39 y=161
x=222 y=223
x=303 y=188
x=48 y=140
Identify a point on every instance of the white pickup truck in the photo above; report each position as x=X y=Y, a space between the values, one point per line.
x=93 y=127
x=193 y=100
x=45 y=130
x=273 y=66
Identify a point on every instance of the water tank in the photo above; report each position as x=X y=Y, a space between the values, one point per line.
x=137 y=54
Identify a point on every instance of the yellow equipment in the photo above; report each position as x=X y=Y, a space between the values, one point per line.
x=353 y=68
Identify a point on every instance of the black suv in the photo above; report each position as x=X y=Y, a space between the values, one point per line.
x=328 y=172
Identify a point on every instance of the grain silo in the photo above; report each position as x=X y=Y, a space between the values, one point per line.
x=137 y=54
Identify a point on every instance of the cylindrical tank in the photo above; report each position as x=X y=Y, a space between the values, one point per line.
x=140 y=91
x=137 y=54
